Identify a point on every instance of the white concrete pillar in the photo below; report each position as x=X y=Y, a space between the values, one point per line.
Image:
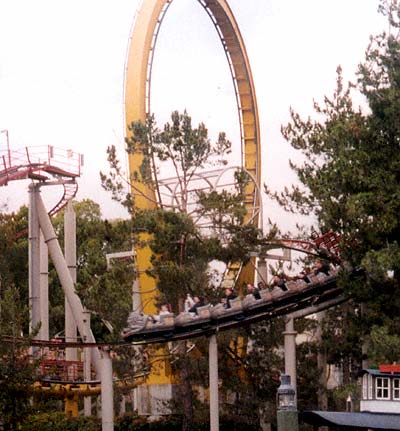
x=290 y=351
x=34 y=260
x=71 y=353
x=44 y=289
x=107 y=407
x=213 y=377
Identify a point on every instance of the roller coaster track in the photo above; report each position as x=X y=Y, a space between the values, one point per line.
x=321 y=295
x=316 y=296
x=47 y=165
x=138 y=77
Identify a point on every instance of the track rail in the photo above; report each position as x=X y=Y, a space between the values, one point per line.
x=320 y=295
x=287 y=303
x=47 y=165
x=137 y=104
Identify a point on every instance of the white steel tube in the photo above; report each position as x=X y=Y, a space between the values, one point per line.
x=87 y=375
x=34 y=259
x=312 y=309
x=290 y=351
x=64 y=276
x=44 y=289
x=70 y=259
x=213 y=376
x=262 y=271
x=107 y=410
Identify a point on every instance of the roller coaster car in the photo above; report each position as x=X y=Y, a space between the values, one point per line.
x=296 y=285
x=249 y=300
x=268 y=299
x=136 y=323
x=276 y=293
x=219 y=311
x=160 y=322
x=319 y=278
x=182 y=318
x=139 y=323
x=191 y=319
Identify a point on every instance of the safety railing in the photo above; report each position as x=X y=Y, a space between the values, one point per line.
x=62 y=161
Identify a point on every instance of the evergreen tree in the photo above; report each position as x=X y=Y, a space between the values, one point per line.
x=106 y=292
x=182 y=251
x=17 y=369
x=350 y=181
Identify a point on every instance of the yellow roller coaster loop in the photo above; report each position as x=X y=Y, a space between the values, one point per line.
x=137 y=105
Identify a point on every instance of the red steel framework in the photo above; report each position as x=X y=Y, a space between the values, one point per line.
x=44 y=164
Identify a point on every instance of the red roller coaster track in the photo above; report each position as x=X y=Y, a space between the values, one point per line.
x=46 y=164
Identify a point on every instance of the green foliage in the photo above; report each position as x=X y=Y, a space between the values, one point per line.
x=17 y=370
x=13 y=252
x=60 y=422
x=341 y=337
x=351 y=162
x=384 y=347
x=338 y=397
x=179 y=143
x=349 y=179
x=178 y=147
x=134 y=423
x=182 y=251
x=97 y=285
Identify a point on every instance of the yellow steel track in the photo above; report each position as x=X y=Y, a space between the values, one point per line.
x=137 y=105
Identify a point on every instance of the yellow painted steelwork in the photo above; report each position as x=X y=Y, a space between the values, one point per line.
x=70 y=392
x=137 y=105
x=137 y=101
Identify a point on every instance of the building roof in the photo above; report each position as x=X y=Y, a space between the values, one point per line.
x=380 y=372
x=355 y=421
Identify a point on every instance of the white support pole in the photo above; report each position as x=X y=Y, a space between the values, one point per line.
x=107 y=406
x=44 y=289
x=213 y=377
x=71 y=353
x=64 y=276
x=262 y=271
x=34 y=260
x=290 y=352
x=136 y=296
x=87 y=375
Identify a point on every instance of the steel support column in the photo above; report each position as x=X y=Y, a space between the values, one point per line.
x=44 y=289
x=64 y=275
x=107 y=410
x=290 y=352
x=213 y=377
x=87 y=375
x=71 y=353
x=34 y=260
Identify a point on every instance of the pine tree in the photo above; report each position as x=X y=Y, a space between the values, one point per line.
x=349 y=180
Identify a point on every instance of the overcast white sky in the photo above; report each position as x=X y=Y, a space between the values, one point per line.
x=62 y=69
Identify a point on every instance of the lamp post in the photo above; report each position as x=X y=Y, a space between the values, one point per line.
x=287 y=415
